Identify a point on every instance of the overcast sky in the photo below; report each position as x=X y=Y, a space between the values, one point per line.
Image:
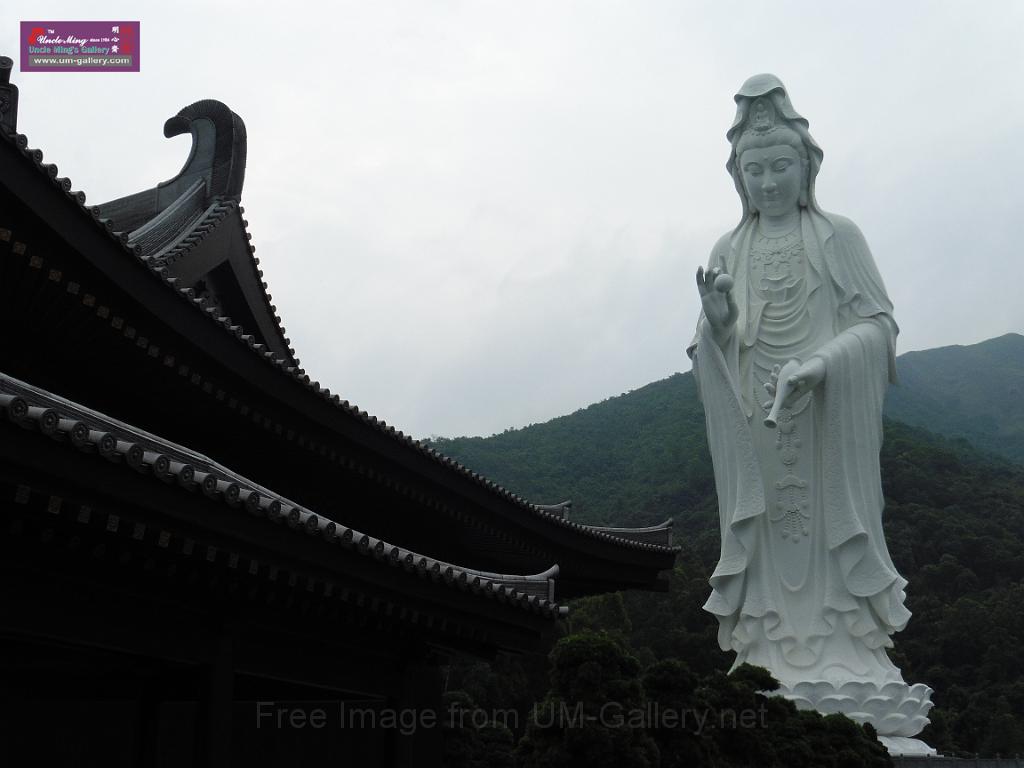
x=480 y=215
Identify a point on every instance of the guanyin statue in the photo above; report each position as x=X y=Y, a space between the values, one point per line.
x=794 y=350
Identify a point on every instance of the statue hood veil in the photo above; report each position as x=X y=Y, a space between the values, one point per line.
x=770 y=86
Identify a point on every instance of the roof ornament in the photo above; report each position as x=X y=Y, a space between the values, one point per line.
x=218 y=147
x=8 y=96
x=562 y=509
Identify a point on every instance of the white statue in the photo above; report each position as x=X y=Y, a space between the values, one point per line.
x=794 y=350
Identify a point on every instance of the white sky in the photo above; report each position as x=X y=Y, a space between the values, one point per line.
x=479 y=215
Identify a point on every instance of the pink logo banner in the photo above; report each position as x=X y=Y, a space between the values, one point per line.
x=79 y=46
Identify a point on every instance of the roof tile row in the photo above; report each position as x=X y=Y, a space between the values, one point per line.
x=91 y=432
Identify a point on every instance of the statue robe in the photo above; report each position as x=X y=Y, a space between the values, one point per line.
x=855 y=598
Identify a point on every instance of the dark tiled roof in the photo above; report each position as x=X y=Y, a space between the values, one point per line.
x=195 y=233
x=653 y=534
x=178 y=222
x=292 y=369
x=90 y=432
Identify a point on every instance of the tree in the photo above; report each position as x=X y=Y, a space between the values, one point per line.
x=586 y=719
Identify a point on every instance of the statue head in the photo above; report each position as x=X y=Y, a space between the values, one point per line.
x=765 y=118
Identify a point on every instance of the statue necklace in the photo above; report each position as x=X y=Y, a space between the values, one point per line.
x=776 y=257
x=777 y=243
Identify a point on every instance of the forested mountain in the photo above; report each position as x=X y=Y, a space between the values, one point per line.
x=976 y=392
x=954 y=521
x=615 y=459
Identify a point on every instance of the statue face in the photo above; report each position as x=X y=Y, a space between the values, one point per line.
x=772 y=177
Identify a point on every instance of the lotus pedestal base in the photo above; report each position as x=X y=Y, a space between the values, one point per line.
x=897 y=711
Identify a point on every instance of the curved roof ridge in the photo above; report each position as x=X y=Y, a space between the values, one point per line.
x=662 y=526
x=660 y=534
x=170 y=224
x=191 y=236
x=90 y=431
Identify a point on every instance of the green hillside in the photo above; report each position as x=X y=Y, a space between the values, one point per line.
x=615 y=459
x=975 y=392
x=954 y=522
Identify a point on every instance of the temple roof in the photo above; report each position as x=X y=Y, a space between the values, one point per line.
x=187 y=237
x=191 y=226
x=167 y=464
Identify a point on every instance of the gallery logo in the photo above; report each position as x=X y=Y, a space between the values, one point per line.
x=80 y=46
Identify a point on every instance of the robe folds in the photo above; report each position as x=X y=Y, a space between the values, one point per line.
x=852 y=587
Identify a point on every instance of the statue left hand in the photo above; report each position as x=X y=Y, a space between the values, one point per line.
x=801 y=381
x=807 y=377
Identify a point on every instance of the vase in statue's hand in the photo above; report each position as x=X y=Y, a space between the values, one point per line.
x=791 y=382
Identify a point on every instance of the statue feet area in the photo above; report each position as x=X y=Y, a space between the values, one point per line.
x=901 y=745
x=897 y=711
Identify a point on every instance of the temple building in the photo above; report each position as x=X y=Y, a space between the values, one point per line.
x=194 y=532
